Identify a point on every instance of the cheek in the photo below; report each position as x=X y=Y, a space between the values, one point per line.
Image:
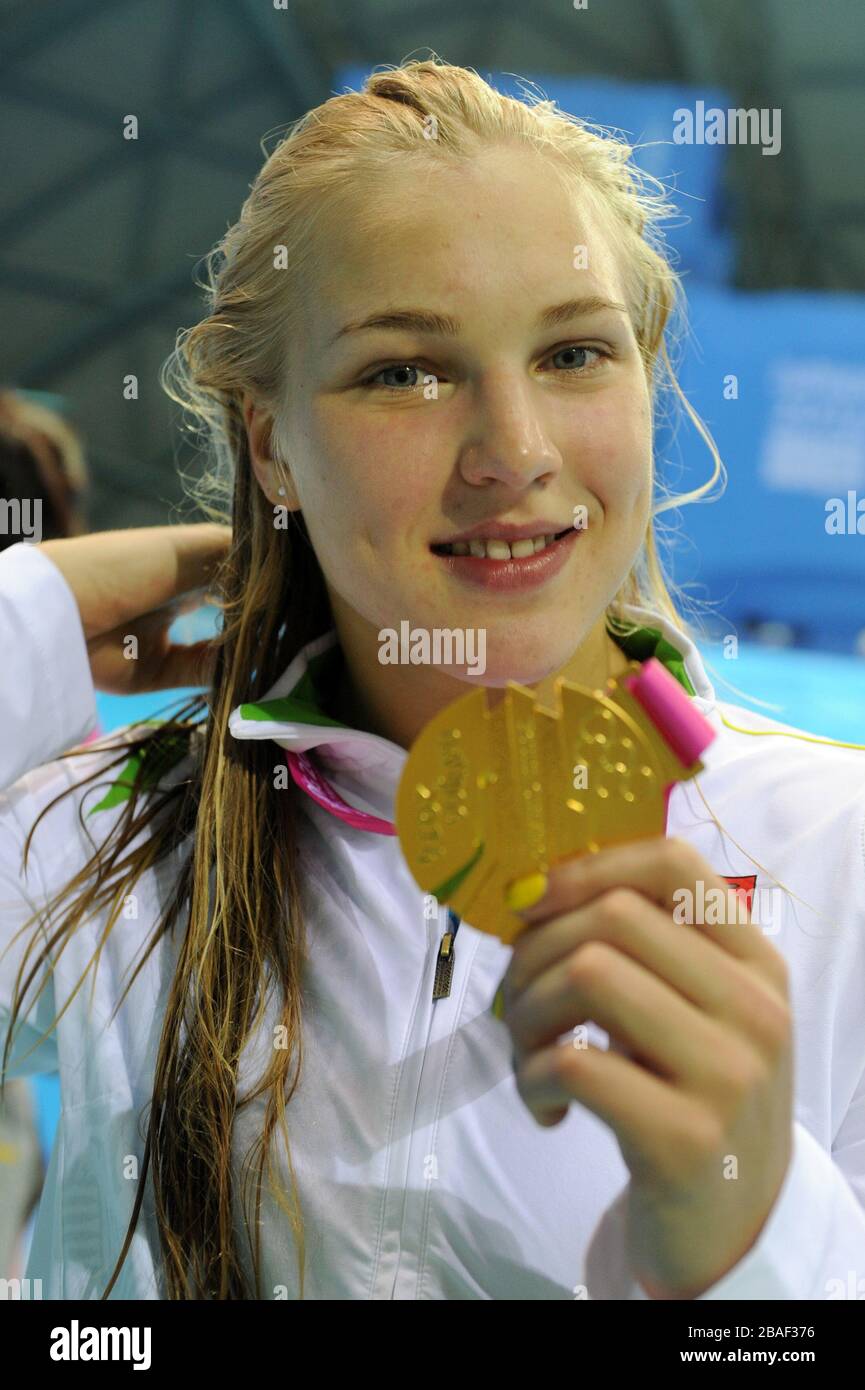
x=613 y=441
x=363 y=484
x=381 y=471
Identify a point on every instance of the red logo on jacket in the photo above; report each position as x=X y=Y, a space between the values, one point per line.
x=744 y=886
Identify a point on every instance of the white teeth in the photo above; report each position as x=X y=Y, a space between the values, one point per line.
x=521 y=548
x=496 y=549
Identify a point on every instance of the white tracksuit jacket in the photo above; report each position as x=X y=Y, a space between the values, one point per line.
x=422 y=1175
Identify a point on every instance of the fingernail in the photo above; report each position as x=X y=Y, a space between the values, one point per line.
x=525 y=892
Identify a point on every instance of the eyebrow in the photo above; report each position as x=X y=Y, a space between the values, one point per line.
x=426 y=321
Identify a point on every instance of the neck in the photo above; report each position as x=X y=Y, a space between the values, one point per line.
x=396 y=702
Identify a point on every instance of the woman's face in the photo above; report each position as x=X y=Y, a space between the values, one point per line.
x=508 y=418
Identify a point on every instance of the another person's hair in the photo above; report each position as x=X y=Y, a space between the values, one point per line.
x=41 y=459
x=224 y=812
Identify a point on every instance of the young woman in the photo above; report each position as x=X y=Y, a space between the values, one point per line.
x=438 y=322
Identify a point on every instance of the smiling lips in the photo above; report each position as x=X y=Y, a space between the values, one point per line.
x=495 y=548
x=496 y=564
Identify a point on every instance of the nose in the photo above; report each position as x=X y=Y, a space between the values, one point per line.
x=512 y=446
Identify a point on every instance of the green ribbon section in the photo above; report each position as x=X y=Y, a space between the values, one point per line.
x=157 y=758
x=303 y=704
x=647 y=642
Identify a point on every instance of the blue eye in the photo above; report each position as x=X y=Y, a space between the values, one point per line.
x=407 y=387
x=398 y=367
x=576 y=347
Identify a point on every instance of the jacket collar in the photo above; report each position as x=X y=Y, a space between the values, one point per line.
x=366 y=766
x=291 y=712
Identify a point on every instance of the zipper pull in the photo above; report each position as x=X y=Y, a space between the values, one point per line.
x=445 y=960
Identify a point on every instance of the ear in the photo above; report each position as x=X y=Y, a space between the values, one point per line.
x=270 y=475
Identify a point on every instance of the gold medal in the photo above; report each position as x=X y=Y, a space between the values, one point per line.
x=491 y=795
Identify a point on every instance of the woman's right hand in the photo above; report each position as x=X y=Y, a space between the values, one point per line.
x=135 y=583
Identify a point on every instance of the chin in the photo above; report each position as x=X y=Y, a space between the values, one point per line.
x=528 y=662
x=498 y=673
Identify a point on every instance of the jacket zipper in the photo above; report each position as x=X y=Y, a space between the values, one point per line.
x=445 y=959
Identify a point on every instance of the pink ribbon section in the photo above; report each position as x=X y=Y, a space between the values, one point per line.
x=311 y=781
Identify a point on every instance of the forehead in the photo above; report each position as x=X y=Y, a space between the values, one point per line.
x=462 y=237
